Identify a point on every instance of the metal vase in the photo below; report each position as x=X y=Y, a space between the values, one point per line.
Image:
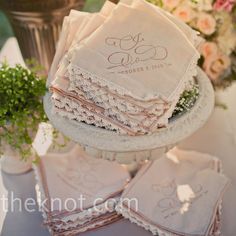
x=37 y=24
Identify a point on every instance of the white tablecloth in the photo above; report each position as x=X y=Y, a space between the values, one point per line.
x=217 y=137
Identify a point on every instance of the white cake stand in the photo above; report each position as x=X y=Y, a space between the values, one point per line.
x=131 y=150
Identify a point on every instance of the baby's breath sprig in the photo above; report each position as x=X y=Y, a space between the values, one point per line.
x=186 y=100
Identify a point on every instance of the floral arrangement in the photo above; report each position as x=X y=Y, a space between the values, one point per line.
x=216 y=22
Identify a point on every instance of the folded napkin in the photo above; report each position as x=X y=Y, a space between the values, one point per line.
x=145 y=42
x=73 y=21
x=70 y=102
x=191 y=35
x=179 y=194
x=118 y=67
x=77 y=26
x=77 y=192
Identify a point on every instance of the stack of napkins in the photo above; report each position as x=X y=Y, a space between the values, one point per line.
x=77 y=193
x=179 y=194
x=123 y=68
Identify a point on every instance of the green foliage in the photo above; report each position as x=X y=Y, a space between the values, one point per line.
x=21 y=107
x=93 y=5
x=187 y=100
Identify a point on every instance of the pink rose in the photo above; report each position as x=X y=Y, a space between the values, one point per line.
x=206 y=24
x=184 y=13
x=208 y=49
x=226 y=5
x=214 y=66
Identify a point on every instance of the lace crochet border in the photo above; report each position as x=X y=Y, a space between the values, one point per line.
x=86 y=215
x=189 y=73
x=86 y=116
x=126 y=213
x=70 y=109
x=145 y=124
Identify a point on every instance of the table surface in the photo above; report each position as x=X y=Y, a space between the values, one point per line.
x=217 y=137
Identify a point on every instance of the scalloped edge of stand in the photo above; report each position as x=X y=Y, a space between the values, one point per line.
x=177 y=130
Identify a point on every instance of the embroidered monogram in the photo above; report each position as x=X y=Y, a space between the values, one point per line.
x=81 y=177
x=130 y=50
x=173 y=200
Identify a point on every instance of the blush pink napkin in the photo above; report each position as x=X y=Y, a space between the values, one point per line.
x=179 y=194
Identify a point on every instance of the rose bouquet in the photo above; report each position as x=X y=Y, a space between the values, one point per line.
x=216 y=22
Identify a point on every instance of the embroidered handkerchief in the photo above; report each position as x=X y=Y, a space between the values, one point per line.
x=78 y=192
x=179 y=194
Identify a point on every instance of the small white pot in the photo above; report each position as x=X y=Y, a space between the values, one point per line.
x=11 y=162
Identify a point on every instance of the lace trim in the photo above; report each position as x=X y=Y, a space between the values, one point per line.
x=95 y=225
x=73 y=112
x=99 y=95
x=95 y=95
x=79 y=218
x=147 y=125
x=107 y=101
x=141 y=120
x=114 y=109
x=40 y=194
x=84 y=217
x=139 y=124
x=78 y=71
x=126 y=213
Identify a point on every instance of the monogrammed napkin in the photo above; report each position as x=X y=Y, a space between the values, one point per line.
x=78 y=192
x=73 y=105
x=136 y=59
x=77 y=32
x=178 y=194
x=95 y=21
x=132 y=99
x=76 y=27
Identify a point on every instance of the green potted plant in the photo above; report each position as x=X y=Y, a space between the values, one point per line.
x=21 y=111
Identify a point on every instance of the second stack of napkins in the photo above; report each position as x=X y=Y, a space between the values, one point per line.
x=78 y=193
x=179 y=194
